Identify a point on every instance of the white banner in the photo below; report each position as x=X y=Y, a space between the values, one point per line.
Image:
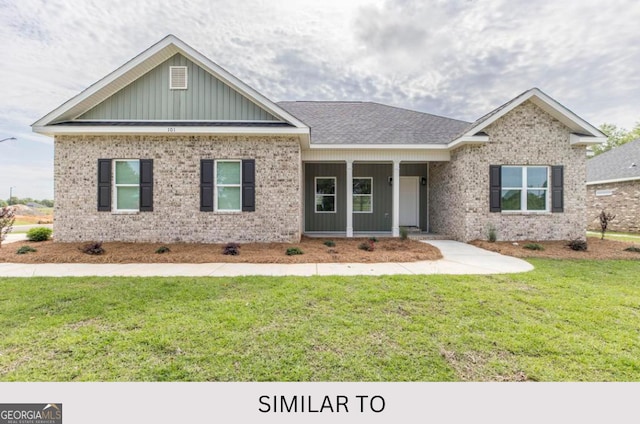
x=170 y=403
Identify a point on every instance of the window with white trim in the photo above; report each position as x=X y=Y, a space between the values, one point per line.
x=127 y=184
x=228 y=185
x=325 y=190
x=525 y=188
x=363 y=195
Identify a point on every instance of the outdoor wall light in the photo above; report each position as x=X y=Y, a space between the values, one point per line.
x=390 y=179
x=423 y=181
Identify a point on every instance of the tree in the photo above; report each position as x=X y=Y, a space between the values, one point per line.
x=7 y=218
x=616 y=137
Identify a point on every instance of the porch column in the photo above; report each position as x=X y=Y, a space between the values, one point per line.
x=349 y=198
x=395 y=223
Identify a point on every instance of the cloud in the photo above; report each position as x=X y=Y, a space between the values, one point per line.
x=457 y=58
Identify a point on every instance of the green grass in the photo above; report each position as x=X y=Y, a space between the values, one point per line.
x=565 y=321
x=609 y=235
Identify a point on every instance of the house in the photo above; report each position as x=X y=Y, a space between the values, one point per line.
x=613 y=184
x=171 y=147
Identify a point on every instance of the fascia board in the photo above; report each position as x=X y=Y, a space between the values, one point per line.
x=167 y=130
x=616 y=180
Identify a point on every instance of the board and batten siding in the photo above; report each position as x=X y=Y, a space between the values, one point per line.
x=380 y=219
x=330 y=222
x=206 y=98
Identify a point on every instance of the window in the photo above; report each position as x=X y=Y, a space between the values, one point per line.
x=363 y=195
x=325 y=194
x=525 y=188
x=228 y=185
x=127 y=184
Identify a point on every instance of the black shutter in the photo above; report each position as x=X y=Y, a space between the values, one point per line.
x=104 y=185
x=206 y=185
x=146 y=185
x=248 y=185
x=495 y=188
x=557 y=182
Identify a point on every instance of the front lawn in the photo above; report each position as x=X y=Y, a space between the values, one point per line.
x=565 y=321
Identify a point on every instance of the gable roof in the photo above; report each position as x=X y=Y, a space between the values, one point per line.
x=360 y=123
x=583 y=132
x=140 y=65
x=619 y=164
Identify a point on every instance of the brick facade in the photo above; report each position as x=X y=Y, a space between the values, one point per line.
x=459 y=189
x=176 y=216
x=624 y=203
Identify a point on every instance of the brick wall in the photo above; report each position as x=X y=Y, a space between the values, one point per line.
x=176 y=216
x=624 y=203
x=459 y=191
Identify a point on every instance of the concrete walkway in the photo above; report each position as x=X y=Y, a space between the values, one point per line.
x=458 y=258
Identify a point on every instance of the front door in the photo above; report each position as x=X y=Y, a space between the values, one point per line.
x=409 y=201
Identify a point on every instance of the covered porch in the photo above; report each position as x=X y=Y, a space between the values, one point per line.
x=363 y=198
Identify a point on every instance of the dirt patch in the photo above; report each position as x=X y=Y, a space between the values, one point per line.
x=345 y=250
x=475 y=366
x=596 y=249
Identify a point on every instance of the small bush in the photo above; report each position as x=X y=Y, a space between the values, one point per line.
x=25 y=249
x=633 y=249
x=578 y=245
x=373 y=239
x=404 y=233
x=329 y=243
x=39 y=234
x=163 y=249
x=367 y=246
x=294 y=251
x=93 y=248
x=492 y=234
x=232 y=249
x=533 y=246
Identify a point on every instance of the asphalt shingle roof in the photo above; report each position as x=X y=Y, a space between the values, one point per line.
x=615 y=164
x=372 y=123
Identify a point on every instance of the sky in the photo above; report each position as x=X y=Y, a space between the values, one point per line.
x=459 y=59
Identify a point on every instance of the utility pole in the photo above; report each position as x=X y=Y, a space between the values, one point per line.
x=10 y=193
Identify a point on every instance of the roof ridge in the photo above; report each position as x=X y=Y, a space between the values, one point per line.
x=374 y=103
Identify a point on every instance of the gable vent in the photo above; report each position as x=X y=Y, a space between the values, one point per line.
x=177 y=77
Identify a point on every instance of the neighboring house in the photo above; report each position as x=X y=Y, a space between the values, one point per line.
x=171 y=147
x=613 y=184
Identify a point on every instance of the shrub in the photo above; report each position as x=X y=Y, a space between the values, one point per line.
x=633 y=249
x=93 y=248
x=232 y=249
x=39 y=234
x=294 y=251
x=7 y=218
x=329 y=243
x=373 y=239
x=404 y=233
x=578 y=245
x=25 y=249
x=605 y=218
x=367 y=246
x=163 y=249
x=492 y=235
x=533 y=246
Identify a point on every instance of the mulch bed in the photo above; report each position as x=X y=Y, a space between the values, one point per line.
x=596 y=249
x=345 y=250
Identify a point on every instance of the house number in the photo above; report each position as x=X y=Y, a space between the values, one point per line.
x=171 y=129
